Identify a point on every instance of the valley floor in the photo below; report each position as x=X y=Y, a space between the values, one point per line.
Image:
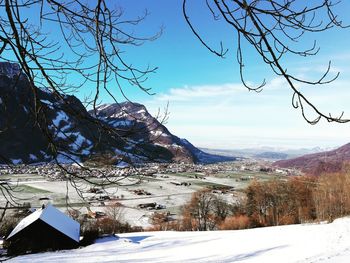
x=293 y=243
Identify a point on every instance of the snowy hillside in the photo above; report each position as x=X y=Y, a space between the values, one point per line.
x=294 y=243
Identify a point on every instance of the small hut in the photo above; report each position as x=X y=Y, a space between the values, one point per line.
x=45 y=229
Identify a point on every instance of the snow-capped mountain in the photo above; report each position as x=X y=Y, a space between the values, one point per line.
x=140 y=126
x=37 y=126
x=55 y=127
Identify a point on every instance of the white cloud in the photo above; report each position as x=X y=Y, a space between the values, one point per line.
x=188 y=93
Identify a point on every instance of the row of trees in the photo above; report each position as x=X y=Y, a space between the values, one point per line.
x=271 y=203
x=299 y=199
x=280 y=202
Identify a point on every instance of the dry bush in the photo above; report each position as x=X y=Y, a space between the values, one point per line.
x=93 y=229
x=235 y=223
x=108 y=225
x=89 y=231
x=159 y=221
x=163 y=222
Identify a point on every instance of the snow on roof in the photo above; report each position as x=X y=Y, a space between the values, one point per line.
x=53 y=217
x=60 y=221
x=26 y=222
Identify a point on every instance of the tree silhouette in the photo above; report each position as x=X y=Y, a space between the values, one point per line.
x=62 y=47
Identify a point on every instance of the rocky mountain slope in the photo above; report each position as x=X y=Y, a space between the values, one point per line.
x=40 y=126
x=58 y=127
x=318 y=163
x=139 y=126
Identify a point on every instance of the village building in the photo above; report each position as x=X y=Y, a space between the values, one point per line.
x=45 y=229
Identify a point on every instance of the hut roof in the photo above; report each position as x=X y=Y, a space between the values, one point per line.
x=53 y=217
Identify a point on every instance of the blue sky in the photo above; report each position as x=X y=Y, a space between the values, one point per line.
x=209 y=106
x=207 y=103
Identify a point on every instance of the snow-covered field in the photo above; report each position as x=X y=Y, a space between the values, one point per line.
x=162 y=190
x=294 y=243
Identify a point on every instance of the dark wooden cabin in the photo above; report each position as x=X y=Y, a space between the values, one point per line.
x=45 y=229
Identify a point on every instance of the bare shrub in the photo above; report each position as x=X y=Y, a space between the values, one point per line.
x=159 y=221
x=163 y=222
x=111 y=224
x=89 y=231
x=235 y=223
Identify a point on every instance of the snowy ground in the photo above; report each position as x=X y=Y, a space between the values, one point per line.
x=161 y=188
x=294 y=243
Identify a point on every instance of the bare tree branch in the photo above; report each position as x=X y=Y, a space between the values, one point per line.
x=273 y=29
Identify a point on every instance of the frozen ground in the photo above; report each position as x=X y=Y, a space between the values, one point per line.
x=294 y=243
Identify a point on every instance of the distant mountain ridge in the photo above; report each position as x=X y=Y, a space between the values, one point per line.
x=266 y=152
x=271 y=155
x=318 y=163
x=79 y=135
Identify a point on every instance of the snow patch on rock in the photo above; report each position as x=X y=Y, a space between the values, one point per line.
x=10 y=69
x=121 y=123
x=33 y=157
x=16 y=161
